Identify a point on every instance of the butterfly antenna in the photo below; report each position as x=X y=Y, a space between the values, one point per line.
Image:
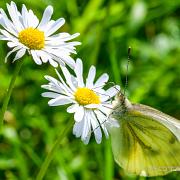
x=127 y=68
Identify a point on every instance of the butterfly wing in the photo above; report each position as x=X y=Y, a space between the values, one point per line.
x=147 y=142
x=168 y=121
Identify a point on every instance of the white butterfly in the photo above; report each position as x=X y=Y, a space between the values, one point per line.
x=147 y=142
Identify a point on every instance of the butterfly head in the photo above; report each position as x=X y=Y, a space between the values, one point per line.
x=120 y=105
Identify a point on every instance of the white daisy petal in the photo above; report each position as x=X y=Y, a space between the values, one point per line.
x=78 y=71
x=35 y=57
x=96 y=128
x=19 y=54
x=104 y=109
x=64 y=84
x=86 y=128
x=48 y=26
x=91 y=76
x=68 y=60
x=102 y=120
x=44 y=56
x=53 y=63
x=46 y=17
x=7 y=24
x=6 y=34
x=73 y=108
x=61 y=37
x=51 y=79
x=33 y=21
x=61 y=100
x=79 y=114
x=55 y=26
x=11 y=44
x=62 y=56
x=74 y=81
x=10 y=52
x=77 y=129
x=13 y=12
x=2 y=37
x=91 y=106
x=68 y=78
x=86 y=141
x=53 y=88
x=50 y=94
x=56 y=86
x=112 y=91
x=101 y=81
x=24 y=16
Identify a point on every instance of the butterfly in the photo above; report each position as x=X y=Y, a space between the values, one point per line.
x=147 y=141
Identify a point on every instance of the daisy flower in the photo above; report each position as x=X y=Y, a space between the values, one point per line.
x=89 y=102
x=25 y=33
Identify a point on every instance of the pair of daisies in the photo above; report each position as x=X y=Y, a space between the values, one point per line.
x=89 y=102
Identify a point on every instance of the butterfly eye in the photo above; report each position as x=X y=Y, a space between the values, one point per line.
x=114 y=113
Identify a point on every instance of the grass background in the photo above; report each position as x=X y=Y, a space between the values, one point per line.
x=107 y=28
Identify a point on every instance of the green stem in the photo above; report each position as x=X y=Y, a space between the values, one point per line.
x=51 y=154
x=9 y=91
x=109 y=169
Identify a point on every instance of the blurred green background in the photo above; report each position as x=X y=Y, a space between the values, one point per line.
x=107 y=28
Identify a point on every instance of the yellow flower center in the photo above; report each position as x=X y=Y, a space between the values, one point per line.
x=32 y=38
x=85 y=96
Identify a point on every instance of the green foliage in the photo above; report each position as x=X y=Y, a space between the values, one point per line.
x=107 y=28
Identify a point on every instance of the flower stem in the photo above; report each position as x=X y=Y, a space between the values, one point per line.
x=51 y=154
x=9 y=91
x=108 y=169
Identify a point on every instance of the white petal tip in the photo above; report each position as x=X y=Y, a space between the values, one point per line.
x=46 y=77
x=50 y=103
x=50 y=8
x=98 y=141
